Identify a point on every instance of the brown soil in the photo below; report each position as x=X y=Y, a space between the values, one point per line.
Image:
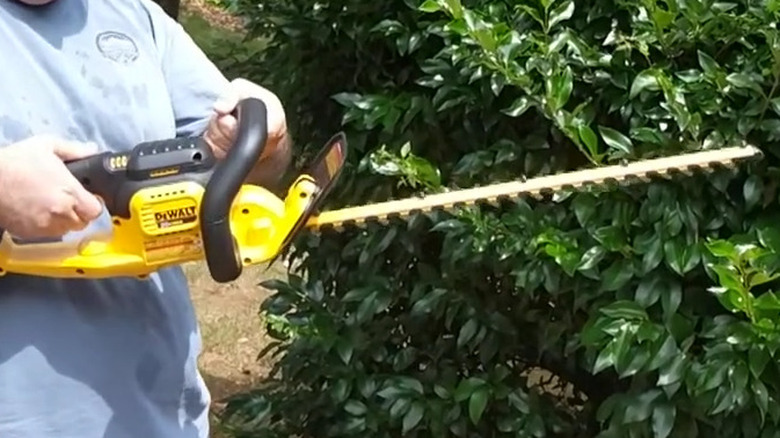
x=214 y=14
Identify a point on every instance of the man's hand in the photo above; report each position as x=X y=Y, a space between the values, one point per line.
x=41 y=198
x=221 y=130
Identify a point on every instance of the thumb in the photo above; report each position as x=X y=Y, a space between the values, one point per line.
x=88 y=206
x=71 y=150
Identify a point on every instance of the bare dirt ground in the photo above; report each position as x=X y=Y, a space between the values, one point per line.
x=216 y=16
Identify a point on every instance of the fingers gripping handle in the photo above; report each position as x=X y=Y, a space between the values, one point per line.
x=92 y=173
x=222 y=255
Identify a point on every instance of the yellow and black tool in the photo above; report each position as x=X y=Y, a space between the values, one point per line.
x=172 y=202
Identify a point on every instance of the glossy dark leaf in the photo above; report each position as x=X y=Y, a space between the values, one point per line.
x=663 y=420
x=563 y=11
x=355 y=407
x=707 y=63
x=640 y=407
x=591 y=258
x=413 y=416
x=589 y=138
x=758 y=358
x=467 y=332
x=617 y=275
x=645 y=80
x=769 y=236
x=753 y=191
x=584 y=208
x=625 y=310
x=681 y=256
x=671 y=298
x=466 y=388
x=518 y=107
x=478 y=403
x=616 y=140
x=649 y=291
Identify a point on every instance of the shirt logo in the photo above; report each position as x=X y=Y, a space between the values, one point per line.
x=117 y=47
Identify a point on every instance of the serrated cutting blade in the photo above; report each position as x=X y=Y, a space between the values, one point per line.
x=639 y=171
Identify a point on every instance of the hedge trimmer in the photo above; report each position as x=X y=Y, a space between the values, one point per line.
x=172 y=202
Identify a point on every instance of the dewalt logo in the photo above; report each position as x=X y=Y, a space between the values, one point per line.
x=175 y=216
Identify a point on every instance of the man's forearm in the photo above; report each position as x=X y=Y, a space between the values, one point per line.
x=268 y=172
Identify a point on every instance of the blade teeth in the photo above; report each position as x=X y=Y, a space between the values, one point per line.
x=637 y=178
x=730 y=164
x=546 y=192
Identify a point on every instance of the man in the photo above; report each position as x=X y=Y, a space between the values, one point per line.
x=112 y=358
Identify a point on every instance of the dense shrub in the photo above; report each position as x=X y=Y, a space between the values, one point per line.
x=642 y=311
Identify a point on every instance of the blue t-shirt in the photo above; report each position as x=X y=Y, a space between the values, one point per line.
x=114 y=358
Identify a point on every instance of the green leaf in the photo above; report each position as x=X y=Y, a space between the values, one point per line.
x=611 y=237
x=741 y=80
x=410 y=384
x=584 y=208
x=666 y=352
x=467 y=332
x=682 y=257
x=591 y=258
x=707 y=63
x=753 y=191
x=639 y=408
x=413 y=416
x=617 y=275
x=616 y=140
x=728 y=277
x=649 y=291
x=653 y=257
x=767 y=301
x=625 y=310
x=430 y=6
x=758 y=358
x=344 y=348
x=760 y=396
x=671 y=298
x=478 y=403
x=645 y=80
x=605 y=359
x=663 y=419
x=562 y=12
x=355 y=407
x=466 y=388
x=400 y=407
x=518 y=107
x=769 y=237
x=723 y=248
x=589 y=138
x=560 y=88
x=672 y=372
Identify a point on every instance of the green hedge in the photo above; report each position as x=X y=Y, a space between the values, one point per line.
x=643 y=311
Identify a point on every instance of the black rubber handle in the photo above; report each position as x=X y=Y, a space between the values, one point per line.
x=222 y=256
x=93 y=175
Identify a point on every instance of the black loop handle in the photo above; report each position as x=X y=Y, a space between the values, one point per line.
x=222 y=256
